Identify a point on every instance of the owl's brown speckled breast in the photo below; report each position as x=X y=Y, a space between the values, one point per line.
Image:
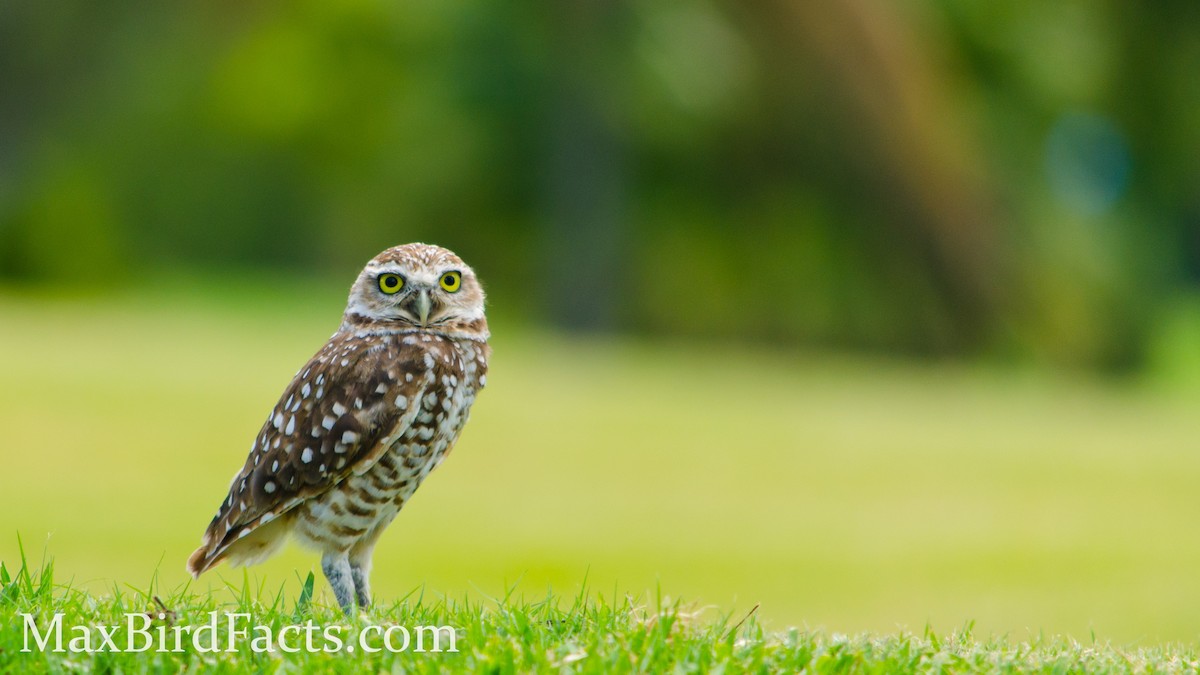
x=455 y=370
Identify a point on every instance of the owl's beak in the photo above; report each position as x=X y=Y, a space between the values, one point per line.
x=423 y=305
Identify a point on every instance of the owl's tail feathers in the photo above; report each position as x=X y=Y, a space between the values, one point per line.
x=247 y=544
x=198 y=562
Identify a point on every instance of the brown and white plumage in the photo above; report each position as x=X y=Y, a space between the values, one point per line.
x=363 y=422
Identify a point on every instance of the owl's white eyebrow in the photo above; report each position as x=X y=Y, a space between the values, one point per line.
x=390 y=268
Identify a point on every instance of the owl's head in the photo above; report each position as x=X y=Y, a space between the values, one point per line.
x=418 y=287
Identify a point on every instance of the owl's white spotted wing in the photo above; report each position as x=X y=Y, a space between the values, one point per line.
x=337 y=416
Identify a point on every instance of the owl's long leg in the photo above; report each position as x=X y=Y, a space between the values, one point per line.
x=337 y=570
x=360 y=559
x=360 y=571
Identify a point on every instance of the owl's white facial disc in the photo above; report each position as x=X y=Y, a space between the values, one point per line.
x=418 y=287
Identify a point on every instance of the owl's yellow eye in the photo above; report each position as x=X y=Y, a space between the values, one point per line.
x=391 y=283
x=451 y=281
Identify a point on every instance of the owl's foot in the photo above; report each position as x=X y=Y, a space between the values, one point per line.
x=337 y=570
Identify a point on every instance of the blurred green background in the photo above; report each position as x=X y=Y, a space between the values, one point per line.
x=876 y=313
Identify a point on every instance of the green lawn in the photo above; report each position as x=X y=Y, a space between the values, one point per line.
x=843 y=494
x=149 y=632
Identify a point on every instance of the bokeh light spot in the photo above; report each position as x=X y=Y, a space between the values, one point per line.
x=1087 y=162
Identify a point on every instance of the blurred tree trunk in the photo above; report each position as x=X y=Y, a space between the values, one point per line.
x=584 y=191
x=923 y=159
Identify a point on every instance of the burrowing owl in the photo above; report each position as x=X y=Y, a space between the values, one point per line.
x=362 y=423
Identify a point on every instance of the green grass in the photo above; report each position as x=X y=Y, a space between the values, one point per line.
x=843 y=495
x=580 y=634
